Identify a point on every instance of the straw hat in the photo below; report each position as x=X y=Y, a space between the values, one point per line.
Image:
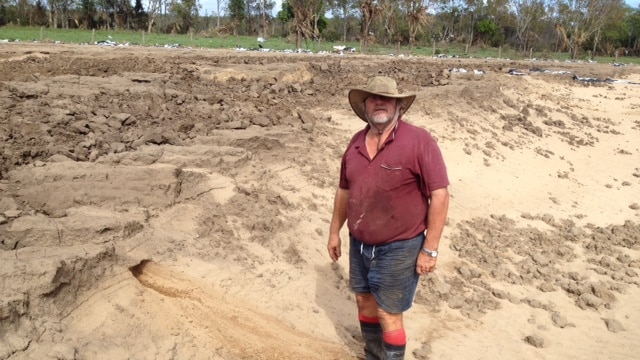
x=378 y=85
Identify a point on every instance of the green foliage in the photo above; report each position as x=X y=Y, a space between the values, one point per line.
x=237 y=10
x=141 y=38
x=489 y=32
x=322 y=24
x=286 y=13
x=331 y=35
x=140 y=16
x=464 y=23
x=4 y=16
x=186 y=11
x=633 y=24
x=487 y=27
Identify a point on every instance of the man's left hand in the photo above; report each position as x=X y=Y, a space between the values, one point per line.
x=425 y=264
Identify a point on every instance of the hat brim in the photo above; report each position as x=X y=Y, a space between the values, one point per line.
x=357 y=97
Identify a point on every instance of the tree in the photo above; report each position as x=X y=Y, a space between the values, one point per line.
x=237 y=14
x=416 y=13
x=305 y=15
x=218 y=4
x=633 y=29
x=286 y=14
x=88 y=14
x=389 y=15
x=186 y=11
x=474 y=10
x=449 y=12
x=526 y=13
x=153 y=10
x=606 y=10
x=39 y=14
x=58 y=12
x=140 y=17
x=581 y=19
x=369 y=11
x=615 y=35
x=260 y=11
x=342 y=9
x=487 y=31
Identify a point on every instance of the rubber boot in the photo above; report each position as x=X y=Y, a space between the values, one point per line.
x=393 y=352
x=372 y=335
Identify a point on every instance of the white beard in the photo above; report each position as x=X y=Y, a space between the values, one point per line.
x=384 y=118
x=381 y=118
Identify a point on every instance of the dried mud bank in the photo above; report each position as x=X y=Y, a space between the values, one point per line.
x=185 y=195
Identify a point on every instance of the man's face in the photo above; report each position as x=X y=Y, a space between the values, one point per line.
x=380 y=109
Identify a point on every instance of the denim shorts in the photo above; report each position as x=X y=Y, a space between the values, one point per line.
x=387 y=271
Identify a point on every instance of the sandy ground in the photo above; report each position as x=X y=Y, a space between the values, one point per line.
x=175 y=204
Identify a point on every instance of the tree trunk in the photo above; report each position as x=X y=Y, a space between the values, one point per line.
x=344 y=30
x=218 y=14
x=151 y=21
x=596 y=38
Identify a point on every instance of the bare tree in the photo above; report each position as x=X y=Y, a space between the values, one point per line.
x=526 y=12
x=581 y=19
x=563 y=40
x=474 y=10
x=416 y=11
x=58 y=13
x=342 y=9
x=218 y=4
x=606 y=10
x=153 y=9
x=264 y=10
x=369 y=11
x=389 y=13
x=303 y=17
x=450 y=11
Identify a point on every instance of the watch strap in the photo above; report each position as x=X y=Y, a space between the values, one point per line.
x=432 y=253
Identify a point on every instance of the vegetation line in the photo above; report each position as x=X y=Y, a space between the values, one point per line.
x=517 y=29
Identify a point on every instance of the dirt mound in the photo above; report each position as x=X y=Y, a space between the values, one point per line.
x=162 y=203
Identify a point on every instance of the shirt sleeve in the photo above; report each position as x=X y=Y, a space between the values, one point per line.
x=344 y=182
x=433 y=169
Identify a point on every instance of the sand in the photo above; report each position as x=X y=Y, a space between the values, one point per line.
x=175 y=204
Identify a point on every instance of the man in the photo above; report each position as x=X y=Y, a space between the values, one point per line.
x=393 y=187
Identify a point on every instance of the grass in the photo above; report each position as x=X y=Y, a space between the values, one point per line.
x=78 y=36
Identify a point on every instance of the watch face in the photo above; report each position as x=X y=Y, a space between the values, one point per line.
x=432 y=253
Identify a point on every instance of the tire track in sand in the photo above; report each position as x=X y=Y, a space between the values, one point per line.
x=242 y=331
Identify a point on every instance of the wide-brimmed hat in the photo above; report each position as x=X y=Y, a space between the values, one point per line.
x=378 y=85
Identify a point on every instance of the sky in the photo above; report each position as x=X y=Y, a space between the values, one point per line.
x=211 y=5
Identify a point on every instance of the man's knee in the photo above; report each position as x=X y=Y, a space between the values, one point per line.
x=390 y=321
x=367 y=304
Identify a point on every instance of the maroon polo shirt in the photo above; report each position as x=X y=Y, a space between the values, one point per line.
x=388 y=194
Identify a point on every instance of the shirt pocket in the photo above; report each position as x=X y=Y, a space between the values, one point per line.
x=392 y=176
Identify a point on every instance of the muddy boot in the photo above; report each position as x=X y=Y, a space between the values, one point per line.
x=372 y=335
x=393 y=352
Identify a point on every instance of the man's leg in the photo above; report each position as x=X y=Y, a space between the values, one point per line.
x=383 y=332
x=393 y=335
x=370 y=326
x=393 y=279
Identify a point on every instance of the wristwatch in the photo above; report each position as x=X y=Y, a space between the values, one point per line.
x=432 y=253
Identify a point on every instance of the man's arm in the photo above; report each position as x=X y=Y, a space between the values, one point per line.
x=436 y=217
x=338 y=218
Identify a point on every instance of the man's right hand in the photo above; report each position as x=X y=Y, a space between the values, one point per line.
x=334 y=247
